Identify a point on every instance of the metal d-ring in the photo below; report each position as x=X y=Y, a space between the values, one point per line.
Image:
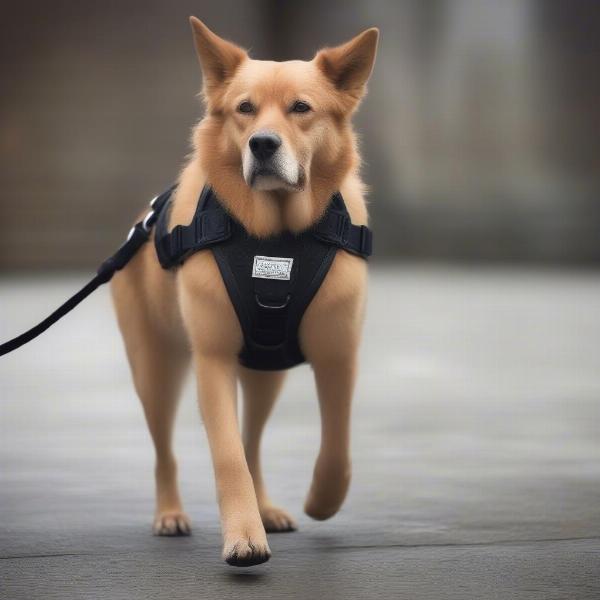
x=273 y=306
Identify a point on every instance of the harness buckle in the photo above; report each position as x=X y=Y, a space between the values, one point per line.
x=343 y=228
x=366 y=241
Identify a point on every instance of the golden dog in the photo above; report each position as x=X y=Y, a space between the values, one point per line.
x=168 y=318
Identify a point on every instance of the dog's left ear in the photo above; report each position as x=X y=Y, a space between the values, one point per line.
x=349 y=66
x=218 y=58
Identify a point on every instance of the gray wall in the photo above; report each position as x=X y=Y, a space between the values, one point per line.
x=480 y=132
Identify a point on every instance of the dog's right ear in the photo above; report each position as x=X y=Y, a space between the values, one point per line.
x=218 y=58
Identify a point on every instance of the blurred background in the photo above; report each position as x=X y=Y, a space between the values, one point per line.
x=481 y=131
x=476 y=429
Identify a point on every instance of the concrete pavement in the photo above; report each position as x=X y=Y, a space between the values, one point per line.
x=476 y=453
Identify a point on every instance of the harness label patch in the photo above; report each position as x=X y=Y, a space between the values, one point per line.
x=272 y=267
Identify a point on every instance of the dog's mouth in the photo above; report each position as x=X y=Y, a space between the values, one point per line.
x=268 y=178
x=263 y=172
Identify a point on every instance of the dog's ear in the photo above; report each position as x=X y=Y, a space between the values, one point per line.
x=349 y=66
x=218 y=58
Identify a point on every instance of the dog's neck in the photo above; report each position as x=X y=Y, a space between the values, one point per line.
x=266 y=213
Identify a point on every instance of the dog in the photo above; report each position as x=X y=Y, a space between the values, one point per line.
x=300 y=112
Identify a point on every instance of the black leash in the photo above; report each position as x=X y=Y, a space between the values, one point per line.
x=138 y=236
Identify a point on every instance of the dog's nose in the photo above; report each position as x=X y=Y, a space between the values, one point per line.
x=264 y=145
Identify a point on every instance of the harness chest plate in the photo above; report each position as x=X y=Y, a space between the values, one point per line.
x=270 y=281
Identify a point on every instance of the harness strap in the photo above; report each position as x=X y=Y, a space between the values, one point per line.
x=336 y=228
x=209 y=226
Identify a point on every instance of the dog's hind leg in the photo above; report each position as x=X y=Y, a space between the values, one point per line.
x=158 y=367
x=158 y=375
x=261 y=389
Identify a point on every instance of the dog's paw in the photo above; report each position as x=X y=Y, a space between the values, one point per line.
x=246 y=552
x=172 y=523
x=331 y=480
x=277 y=520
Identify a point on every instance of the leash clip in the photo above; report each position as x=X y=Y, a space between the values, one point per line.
x=149 y=221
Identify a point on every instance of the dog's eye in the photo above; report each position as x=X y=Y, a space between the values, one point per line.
x=246 y=107
x=300 y=107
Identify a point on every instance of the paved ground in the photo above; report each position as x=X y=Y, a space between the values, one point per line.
x=477 y=453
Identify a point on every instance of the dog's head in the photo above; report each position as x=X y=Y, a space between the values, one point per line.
x=280 y=128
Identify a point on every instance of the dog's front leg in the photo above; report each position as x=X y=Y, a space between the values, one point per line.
x=331 y=477
x=244 y=537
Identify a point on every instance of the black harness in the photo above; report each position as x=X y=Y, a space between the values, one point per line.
x=270 y=281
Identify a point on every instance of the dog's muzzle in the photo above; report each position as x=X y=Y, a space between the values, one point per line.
x=267 y=165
